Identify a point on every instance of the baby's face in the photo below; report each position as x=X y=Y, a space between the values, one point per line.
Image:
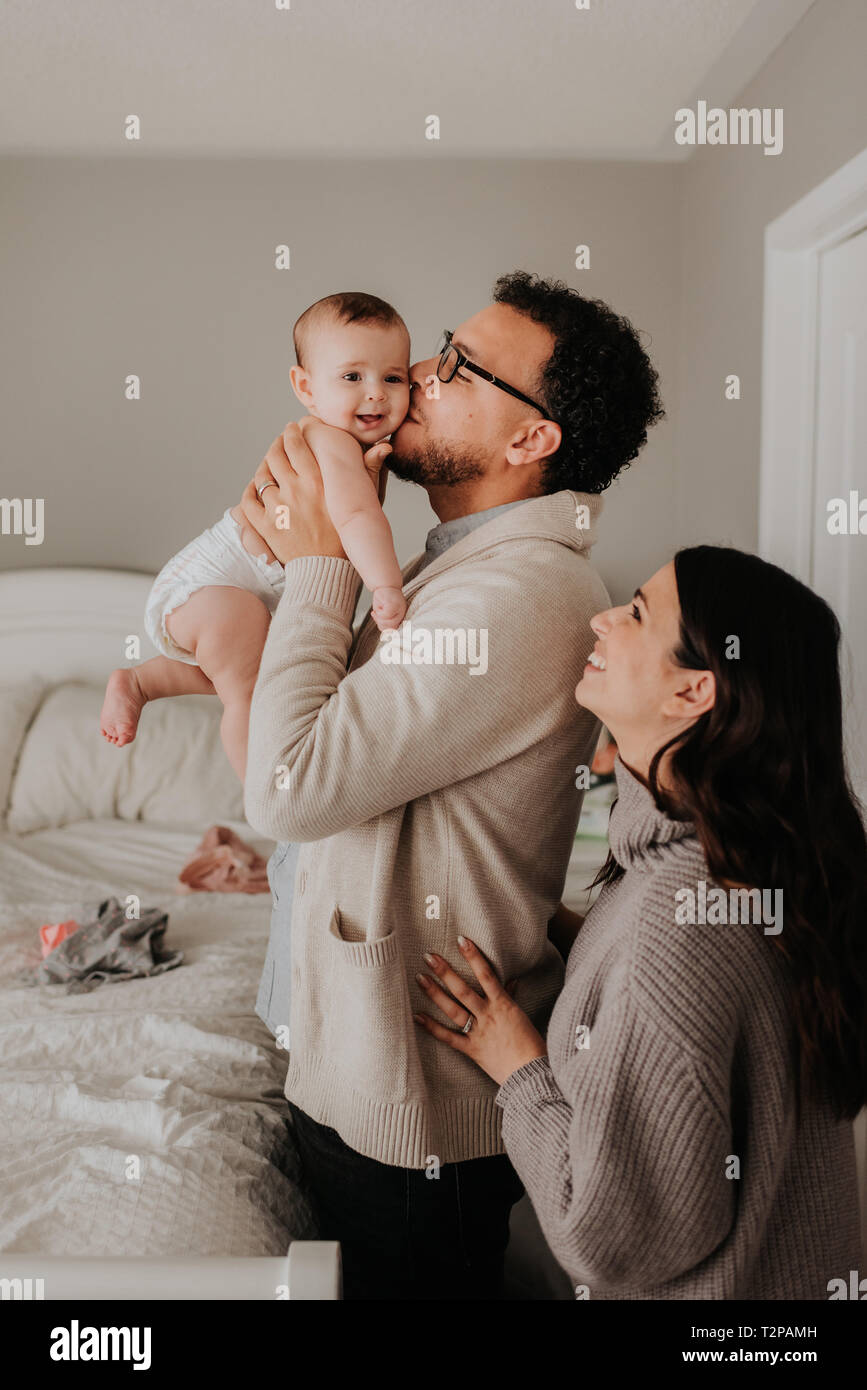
x=358 y=375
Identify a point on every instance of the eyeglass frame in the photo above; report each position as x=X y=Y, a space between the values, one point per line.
x=464 y=361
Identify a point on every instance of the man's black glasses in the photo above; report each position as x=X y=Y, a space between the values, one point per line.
x=452 y=359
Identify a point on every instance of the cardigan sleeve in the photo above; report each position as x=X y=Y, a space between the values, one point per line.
x=623 y=1153
x=352 y=745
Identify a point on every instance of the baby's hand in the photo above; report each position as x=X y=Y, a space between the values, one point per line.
x=373 y=461
x=389 y=607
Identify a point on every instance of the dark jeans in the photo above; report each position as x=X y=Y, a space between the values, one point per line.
x=404 y=1235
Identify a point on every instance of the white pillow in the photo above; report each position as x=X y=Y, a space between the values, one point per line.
x=18 y=705
x=175 y=771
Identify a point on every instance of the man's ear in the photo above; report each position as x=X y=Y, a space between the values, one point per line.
x=301 y=386
x=534 y=441
x=695 y=695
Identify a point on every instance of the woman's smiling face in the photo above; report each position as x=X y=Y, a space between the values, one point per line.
x=633 y=682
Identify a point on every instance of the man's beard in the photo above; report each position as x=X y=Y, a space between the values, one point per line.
x=431 y=463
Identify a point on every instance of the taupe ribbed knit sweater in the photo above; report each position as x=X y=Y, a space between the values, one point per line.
x=428 y=801
x=624 y=1144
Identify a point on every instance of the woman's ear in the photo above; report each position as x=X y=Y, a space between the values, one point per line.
x=534 y=441
x=301 y=386
x=694 y=696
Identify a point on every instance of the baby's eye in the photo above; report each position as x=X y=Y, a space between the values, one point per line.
x=351 y=376
x=635 y=613
x=398 y=379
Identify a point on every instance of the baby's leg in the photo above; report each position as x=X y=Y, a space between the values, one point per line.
x=225 y=629
x=130 y=687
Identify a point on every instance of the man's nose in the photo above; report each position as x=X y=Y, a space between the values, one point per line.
x=421 y=372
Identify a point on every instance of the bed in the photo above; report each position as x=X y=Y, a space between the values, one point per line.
x=145 y=1144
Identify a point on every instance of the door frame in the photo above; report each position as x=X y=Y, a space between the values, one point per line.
x=830 y=213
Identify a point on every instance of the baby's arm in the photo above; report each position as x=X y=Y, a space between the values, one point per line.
x=353 y=504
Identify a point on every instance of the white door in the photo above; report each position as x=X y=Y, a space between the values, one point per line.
x=839 y=565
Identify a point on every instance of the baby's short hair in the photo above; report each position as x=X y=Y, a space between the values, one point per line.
x=351 y=306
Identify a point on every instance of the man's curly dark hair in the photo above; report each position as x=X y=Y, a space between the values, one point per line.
x=598 y=385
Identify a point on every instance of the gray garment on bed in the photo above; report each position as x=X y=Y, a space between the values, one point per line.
x=110 y=947
x=272 y=1001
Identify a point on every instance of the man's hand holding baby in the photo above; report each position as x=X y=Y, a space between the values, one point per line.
x=306 y=527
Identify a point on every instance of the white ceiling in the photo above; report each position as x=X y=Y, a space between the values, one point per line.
x=358 y=77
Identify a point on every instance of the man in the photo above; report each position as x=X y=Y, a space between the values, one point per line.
x=424 y=800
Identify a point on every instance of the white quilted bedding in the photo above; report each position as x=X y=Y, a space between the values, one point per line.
x=175 y=1070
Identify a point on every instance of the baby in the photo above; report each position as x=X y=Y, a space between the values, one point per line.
x=209 y=609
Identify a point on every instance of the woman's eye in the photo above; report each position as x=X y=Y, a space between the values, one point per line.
x=635 y=613
x=461 y=377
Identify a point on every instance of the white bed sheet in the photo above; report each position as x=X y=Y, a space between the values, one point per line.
x=174 y=1070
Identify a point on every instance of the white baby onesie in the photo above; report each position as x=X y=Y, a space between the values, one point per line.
x=215 y=557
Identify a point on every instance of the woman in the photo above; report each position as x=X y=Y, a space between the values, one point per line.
x=685 y=1131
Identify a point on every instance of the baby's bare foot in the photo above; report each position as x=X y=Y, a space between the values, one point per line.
x=123 y=704
x=388 y=609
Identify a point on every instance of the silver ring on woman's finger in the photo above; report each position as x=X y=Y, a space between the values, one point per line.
x=260 y=490
x=468 y=1025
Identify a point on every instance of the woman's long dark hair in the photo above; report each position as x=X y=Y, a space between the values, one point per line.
x=763 y=776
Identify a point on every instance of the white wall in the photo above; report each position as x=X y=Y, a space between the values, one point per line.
x=728 y=196
x=165 y=268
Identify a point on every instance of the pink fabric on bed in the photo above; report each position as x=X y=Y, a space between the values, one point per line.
x=54 y=932
x=223 y=863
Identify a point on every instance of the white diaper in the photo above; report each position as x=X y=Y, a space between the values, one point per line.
x=215 y=557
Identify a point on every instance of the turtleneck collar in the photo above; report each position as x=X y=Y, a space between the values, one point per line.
x=639 y=834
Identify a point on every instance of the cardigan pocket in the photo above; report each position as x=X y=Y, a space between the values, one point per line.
x=369 y=1028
